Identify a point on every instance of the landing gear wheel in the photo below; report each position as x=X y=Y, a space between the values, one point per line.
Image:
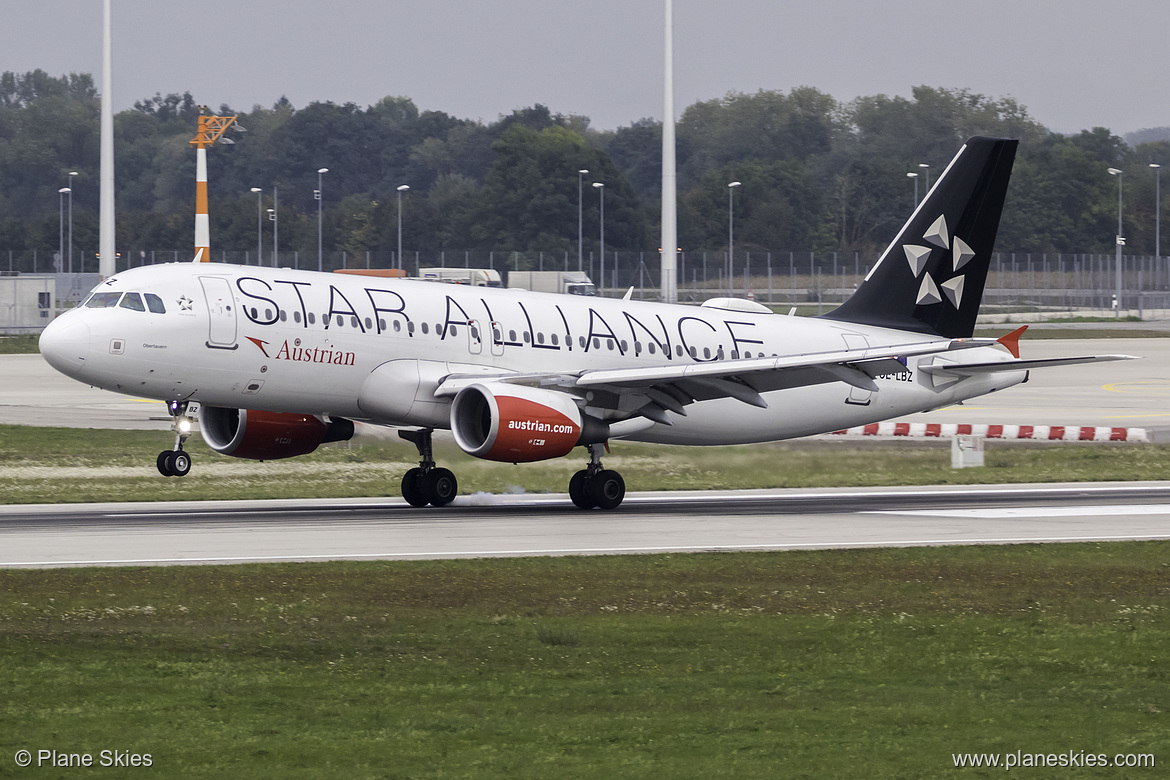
x=414 y=487
x=163 y=464
x=607 y=489
x=179 y=463
x=442 y=486
x=579 y=490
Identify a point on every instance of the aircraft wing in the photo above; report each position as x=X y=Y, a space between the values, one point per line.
x=651 y=391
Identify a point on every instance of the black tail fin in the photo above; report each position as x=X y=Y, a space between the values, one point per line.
x=931 y=278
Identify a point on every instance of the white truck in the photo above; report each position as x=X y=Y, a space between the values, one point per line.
x=473 y=277
x=567 y=282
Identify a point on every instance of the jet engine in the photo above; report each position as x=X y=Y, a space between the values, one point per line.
x=518 y=424
x=245 y=433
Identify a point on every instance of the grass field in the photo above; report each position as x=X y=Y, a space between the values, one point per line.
x=61 y=465
x=865 y=663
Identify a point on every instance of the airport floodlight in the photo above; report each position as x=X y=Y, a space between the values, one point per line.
x=71 y=175
x=61 y=226
x=914 y=176
x=731 y=237
x=600 y=187
x=1120 y=242
x=320 y=205
x=1157 y=209
x=580 y=220
x=401 y=189
x=926 y=170
x=259 y=225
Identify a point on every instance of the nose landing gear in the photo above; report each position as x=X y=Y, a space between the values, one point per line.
x=176 y=462
x=594 y=486
x=427 y=484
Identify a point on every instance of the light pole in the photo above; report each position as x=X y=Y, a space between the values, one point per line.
x=317 y=195
x=272 y=219
x=914 y=176
x=259 y=223
x=1157 y=209
x=274 y=215
x=1120 y=240
x=730 y=233
x=401 y=189
x=61 y=227
x=71 y=175
x=580 y=240
x=926 y=170
x=601 y=191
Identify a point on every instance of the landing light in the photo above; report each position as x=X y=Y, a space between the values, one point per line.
x=185 y=426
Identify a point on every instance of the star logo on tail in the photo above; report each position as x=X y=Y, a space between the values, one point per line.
x=930 y=291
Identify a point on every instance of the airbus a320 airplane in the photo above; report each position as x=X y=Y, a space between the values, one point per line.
x=278 y=361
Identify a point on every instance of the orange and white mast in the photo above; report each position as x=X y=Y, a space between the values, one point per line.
x=211 y=129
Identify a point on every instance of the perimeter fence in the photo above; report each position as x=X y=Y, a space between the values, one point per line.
x=1018 y=282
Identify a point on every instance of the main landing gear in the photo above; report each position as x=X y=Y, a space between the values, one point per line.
x=594 y=486
x=176 y=462
x=427 y=484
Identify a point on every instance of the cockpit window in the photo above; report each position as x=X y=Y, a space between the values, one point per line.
x=154 y=303
x=103 y=300
x=132 y=301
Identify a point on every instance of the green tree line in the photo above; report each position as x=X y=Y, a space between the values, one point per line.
x=817 y=174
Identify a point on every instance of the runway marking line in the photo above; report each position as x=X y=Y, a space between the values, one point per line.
x=600 y=550
x=1006 y=513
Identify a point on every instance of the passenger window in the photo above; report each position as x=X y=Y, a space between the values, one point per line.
x=103 y=300
x=155 y=304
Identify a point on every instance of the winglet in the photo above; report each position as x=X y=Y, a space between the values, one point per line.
x=1012 y=341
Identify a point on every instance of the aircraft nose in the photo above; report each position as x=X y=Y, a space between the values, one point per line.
x=64 y=345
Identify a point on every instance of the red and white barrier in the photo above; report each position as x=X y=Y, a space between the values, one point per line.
x=1036 y=432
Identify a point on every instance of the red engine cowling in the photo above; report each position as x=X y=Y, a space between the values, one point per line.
x=518 y=424
x=244 y=433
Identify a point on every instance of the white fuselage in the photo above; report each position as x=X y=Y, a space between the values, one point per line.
x=298 y=341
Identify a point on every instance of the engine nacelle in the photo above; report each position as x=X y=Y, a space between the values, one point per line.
x=244 y=433
x=518 y=424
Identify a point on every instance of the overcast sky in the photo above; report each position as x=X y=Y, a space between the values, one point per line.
x=1074 y=63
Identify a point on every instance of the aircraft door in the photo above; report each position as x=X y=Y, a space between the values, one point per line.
x=221 y=312
x=474 y=337
x=497 y=338
x=857 y=396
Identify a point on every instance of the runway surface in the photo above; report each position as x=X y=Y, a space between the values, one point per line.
x=1131 y=393
x=527 y=525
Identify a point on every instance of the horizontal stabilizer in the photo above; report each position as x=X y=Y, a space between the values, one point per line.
x=975 y=369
